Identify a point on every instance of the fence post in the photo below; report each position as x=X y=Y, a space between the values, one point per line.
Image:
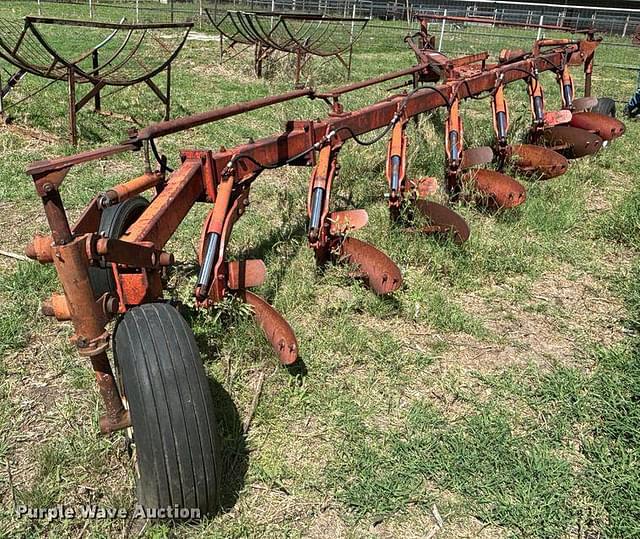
x=273 y=8
x=626 y=26
x=442 y=32
x=540 y=27
x=353 y=16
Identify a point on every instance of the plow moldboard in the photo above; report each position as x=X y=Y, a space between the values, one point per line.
x=380 y=272
x=538 y=160
x=498 y=190
x=572 y=141
x=606 y=127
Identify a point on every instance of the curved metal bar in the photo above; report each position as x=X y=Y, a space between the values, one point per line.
x=51 y=58
x=132 y=52
x=11 y=56
x=304 y=45
x=218 y=25
x=245 y=32
x=249 y=31
x=338 y=48
x=266 y=36
x=289 y=41
x=125 y=42
x=104 y=78
x=311 y=29
x=99 y=45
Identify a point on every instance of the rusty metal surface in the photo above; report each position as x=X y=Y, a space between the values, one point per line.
x=473 y=157
x=116 y=416
x=224 y=178
x=572 y=141
x=162 y=217
x=443 y=220
x=130 y=189
x=243 y=274
x=302 y=35
x=276 y=329
x=606 y=127
x=124 y=55
x=283 y=146
x=557 y=117
x=346 y=221
x=584 y=103
x=379 y=272
x=496 y=190
x=537 y=161
x=24 y=45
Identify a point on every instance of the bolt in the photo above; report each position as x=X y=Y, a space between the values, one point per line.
x=47 y=187
x=82 y=342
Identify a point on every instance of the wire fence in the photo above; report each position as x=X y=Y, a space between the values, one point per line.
x=610 y=20
x=617 y=60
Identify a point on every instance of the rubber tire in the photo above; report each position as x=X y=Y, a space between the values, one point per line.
x=113 y=223
x=606 y=106
x=172 y=410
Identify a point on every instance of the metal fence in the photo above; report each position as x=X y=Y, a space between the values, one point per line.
x=606 y=19
x=617 y=60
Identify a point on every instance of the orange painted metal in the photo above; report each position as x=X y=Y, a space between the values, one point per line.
x=243 y=274
x=343 y=222
x=224 y=178
x=57 y=306
x=162 y=217
x=132 y=188
x=275 y=327
x=39 y=248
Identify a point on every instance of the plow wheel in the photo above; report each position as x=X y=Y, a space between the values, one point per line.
x=174 y=436
x=113 y=223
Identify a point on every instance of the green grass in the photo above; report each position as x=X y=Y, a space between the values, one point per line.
x=500 y=385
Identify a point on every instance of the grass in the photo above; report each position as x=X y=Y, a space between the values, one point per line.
x=495 y=395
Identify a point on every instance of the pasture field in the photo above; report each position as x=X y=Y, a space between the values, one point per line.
x=495 y=395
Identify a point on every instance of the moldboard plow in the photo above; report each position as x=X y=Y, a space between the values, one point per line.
x=112 y=260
